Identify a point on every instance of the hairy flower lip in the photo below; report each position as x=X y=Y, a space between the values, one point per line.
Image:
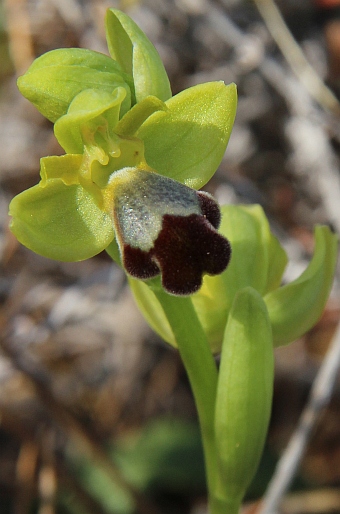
x=164 y=227
x=203 y=251
x=186 y=248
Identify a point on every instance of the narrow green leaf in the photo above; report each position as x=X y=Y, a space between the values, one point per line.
x=296 y=307
x=274 y=258
x=277 y=262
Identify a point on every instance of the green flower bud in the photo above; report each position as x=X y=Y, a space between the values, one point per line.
x=244 y=394
x=257 y=261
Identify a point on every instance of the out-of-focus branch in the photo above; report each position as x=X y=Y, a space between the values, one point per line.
x=19 y=34
x=309 y=125
x=318 y=400
x=295 y=56
x=76 y=433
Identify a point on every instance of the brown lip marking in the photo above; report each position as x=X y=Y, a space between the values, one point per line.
x=186 y=248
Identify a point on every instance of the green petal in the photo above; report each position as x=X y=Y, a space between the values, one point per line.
x=130 y=47
x=244 y=393
x=55 y=78
x=60 y=222
x=296 y=307
x=72 y=128
x=188 y=141
x=136 y=116
x=64 y=167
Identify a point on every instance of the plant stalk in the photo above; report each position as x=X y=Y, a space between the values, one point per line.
x=201 y=368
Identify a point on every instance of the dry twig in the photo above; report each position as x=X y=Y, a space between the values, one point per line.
x=319 y=397
x=75 y=432
x=295 y=56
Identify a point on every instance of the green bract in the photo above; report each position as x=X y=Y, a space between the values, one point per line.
x=258 y=261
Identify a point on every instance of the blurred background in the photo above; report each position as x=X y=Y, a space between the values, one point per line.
x=96 y=415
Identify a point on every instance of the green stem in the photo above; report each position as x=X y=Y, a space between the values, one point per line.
x=202 y=372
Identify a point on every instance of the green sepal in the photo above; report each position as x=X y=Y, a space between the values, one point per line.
x=113 y=251
x=151 y=309
x=294 y=308
x=91 y=118
x=60 y=221
x=129 y=46
x=63 y=167
x=55 y=78
x=188 y=141
x=244 y=393
x=136 y=116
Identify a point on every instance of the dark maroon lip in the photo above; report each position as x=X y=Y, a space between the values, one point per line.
x=186 y=248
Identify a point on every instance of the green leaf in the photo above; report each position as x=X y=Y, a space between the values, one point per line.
x=272 y=260
x=252 y=263
x=188 y=141
x=55 y=78
x=296 y=307
x=60 y=221
x=137 y=56
x=165 y=454
x=98 y=481
x=244 y=393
